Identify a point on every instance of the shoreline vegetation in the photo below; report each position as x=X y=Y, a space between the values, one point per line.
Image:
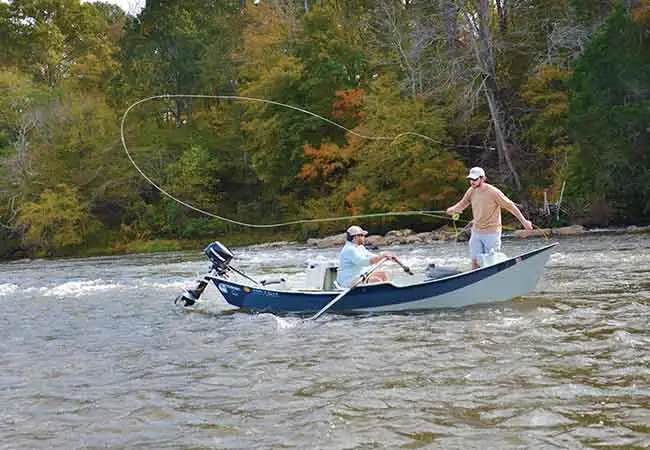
x=408 y=236
x=397 y=237
x=112 y=124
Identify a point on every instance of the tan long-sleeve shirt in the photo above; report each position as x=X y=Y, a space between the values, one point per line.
x=487 y=202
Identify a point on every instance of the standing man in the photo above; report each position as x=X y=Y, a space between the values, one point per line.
x=486 y=201
x=355 y=259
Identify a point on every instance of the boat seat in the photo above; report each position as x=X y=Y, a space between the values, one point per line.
x=329 y=283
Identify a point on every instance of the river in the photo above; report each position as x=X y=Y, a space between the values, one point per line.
x=94 y=354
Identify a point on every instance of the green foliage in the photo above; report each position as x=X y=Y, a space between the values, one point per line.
x=332 y=59
x=406 y=172
x=590 y=11
x=547 y=94
x=58 y=40
x=56 y=220
x=302 y=63
x=572 y=89
x=179 y=47
x=21 y=104
x=393 y=173
x=193 y=174
x=608 y=117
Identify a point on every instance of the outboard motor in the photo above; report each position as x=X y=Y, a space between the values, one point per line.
x=191 y=296
x=219 y=256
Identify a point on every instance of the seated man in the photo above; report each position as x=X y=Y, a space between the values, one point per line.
x=355 y=259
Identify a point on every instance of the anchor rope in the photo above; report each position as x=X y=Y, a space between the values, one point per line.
x=281 y=224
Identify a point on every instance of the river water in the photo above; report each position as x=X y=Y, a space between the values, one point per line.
x=94 y=354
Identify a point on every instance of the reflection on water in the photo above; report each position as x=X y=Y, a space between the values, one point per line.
x=94 y=354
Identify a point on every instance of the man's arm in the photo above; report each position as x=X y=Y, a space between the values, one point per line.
x=509 y=205
x=527 y=224
x=462 y=204
x=375 y=258
x=364 y=257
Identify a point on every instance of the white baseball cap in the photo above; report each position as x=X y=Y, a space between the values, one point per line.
x=475 y=173
x=355 y=230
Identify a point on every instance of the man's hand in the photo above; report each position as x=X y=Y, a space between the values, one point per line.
x=451 y=211
x=388 y=255
x=528 y=225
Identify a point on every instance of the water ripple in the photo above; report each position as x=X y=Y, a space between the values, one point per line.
x=94 y=354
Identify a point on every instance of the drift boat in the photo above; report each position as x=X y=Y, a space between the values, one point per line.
x=495 y=281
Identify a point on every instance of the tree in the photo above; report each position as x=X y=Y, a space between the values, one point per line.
x=301 y=63
x=56 y=40
x=389 y=172
x=21 y=107
x=608 y=117
x=175 y=46
x=55 y=221
x=546 y=94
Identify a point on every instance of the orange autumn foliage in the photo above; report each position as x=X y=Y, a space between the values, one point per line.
x=641 y=13
x=327 y=162
x=348 y=104
x=355 y=198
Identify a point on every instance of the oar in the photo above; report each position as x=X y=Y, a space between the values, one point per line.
x=407 y=269
x=364 y=276
x=242 y=274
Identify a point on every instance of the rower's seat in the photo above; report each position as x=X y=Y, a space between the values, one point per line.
x=329 y=283
x=321 y=275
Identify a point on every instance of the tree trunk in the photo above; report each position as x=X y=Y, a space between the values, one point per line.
x=495 y=112
x=485 y=59
x=502 y=12
x=399 y=43
x=179 y=108
x=449 y=12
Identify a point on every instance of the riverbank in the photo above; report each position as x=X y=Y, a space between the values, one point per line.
x=407 y=236
x=391 y=238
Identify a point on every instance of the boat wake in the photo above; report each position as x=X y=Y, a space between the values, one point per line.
x=284 y=323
